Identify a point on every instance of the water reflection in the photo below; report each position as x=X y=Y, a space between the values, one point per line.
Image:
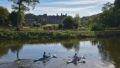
x=15 y=47
x=76 y=59
x=69 y=44
x=108 y=49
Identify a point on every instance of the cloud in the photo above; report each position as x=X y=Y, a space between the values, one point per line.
x=69 y=3
x=70 y=11
x=71 y=7
x=78 y=2
x=65 y=9
x=83 y=7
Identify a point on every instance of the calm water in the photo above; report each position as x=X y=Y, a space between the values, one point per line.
x=100 y=53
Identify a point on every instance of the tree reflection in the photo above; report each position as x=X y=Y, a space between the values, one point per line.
x=14 y=46
x=69 y=44
x=16 y=49
x=3 y=51
x=110 y=50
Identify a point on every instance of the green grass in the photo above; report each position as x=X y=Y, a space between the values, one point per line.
x=38 y=33
x=56 y=34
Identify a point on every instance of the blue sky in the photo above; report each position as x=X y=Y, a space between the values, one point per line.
x=71 y=7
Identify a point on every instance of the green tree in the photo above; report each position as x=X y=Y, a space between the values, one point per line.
x=117 y=4
x=77 y=21
x=68 y=23
x=60 y=26
x=97 y=27
x=107 y=7
x=110 y=16
x=4 y=14
x=95 y=23
x=13 y=18
x=106 y=15
x=20 y=6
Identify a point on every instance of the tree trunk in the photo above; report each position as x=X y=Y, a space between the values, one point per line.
x=18 y=58
x=18 y=19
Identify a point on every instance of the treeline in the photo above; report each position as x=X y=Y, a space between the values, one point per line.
x=109 y=18
x=8 y=19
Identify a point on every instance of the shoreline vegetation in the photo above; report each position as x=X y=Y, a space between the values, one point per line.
x=57 y=34
x=67 y=28
x=95 y=26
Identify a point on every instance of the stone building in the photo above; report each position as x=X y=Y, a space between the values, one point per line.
x=44 y=19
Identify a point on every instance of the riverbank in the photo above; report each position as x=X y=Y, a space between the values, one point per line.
x=57 y=34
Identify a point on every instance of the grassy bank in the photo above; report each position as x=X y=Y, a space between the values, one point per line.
x=58 y=34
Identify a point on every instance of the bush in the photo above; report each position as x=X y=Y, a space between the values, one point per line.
x=60 y=26
x=97 y=27
x=68 y=23
x=4 y=16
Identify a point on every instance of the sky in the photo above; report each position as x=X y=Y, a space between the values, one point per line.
x=71 y=7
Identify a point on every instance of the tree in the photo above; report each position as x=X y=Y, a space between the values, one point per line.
x=13 y=18
x=107 y=14
x=60 y=26
x=4 y=16
x=107 y=7
x=77 y=21
x=97 y=27
x=117 y=4
x=110 y=16
x=21 y=6
x=68 y=23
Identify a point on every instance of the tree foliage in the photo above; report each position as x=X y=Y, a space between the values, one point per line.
x=68 y=23
x=13 y=18
x=4 y=16
x=23 y=4
x=108 y=6
x=20 y=6
x=109 y=18
x=117 y=4
x=77 y=21
x=71 y=23
x=111 y=15
x=95 y=24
